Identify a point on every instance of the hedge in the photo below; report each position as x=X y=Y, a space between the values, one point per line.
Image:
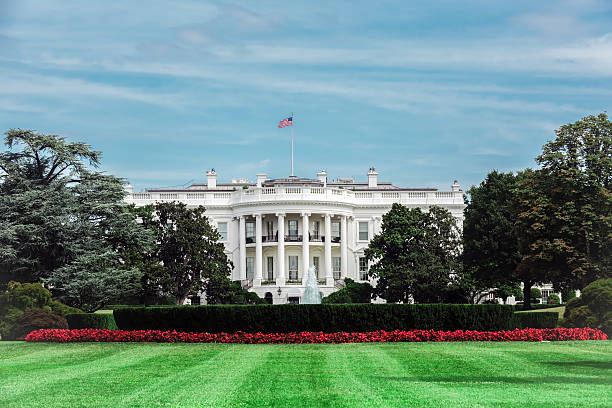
x=327 y=318
x=535 y=320
x=91 y=321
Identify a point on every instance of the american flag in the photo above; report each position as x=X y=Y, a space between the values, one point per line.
x=286 y=122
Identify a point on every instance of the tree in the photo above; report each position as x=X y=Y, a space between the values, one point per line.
x=65 y=224
x=593 y=308
x=189 y=256
x=352 y=292
x=564 y=210
x=416 y=254
x=491 y=249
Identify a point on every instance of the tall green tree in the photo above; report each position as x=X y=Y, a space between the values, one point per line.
x=188 y=255
x=64 y=223
x=416 y=254
x=564 y=209
x=491 y=247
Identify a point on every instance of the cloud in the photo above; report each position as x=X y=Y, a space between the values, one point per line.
x=58 y=87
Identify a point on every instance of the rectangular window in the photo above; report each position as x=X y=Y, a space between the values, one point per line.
x=315 y=263
x=293 y=268
x=250 y=267
x=315 y=230
x=222 y=228
x=363 y=231
x=335 y=229
x=250 y=230
x=270 y=268
x=270 y=230
x=336 y=266
x=363 y=268
x=293 y=228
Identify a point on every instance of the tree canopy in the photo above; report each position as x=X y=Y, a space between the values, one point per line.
x=564 y=209
x=491 y=248
x=64 y=223
x=416 y=254
x=188 y=257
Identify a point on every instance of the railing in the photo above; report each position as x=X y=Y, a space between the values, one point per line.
x=315 y=194
x=268 y=238
x=293 y=238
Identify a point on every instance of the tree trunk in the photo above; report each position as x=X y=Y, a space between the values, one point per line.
x=527 y=295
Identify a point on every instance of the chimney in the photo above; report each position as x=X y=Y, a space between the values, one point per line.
x=322 y=176
x=261 y=177
x=372 y=178
x=455 y=186
x=211 y=176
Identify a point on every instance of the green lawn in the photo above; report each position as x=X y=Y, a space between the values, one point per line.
x=563 y=374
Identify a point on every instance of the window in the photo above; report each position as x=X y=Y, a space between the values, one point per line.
x=250 y=267
x=195 y=300
x=270 y=268
x=250 y=230
x=222 y=228
x=363 y=231
x=335 y=229
x=315 y=263
x=315 y=230
x=336 y=264
x=270 y=230
x=268 y=298
x=293 y=228
x=293 y=268
x=293 y=300
x=363 y=268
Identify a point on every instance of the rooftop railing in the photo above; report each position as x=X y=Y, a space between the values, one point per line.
x=288 y=194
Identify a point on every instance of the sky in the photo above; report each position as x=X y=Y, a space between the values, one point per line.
x=426 y=92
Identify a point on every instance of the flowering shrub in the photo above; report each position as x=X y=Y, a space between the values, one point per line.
x=381 y=336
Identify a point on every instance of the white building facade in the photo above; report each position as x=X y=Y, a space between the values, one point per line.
x=275 y=229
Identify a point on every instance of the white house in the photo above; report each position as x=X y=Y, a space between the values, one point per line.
x=274 y=229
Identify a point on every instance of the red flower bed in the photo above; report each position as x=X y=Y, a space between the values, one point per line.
x=156 y=336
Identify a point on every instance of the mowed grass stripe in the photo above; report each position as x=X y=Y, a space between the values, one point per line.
x=294 y=375
x=66 y=369
x=502 y=374
x=320 y=375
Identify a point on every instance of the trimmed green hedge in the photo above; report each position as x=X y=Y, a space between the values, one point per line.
x=519 y=307
x=91 y=321
x=325 y=317
x=535 y=320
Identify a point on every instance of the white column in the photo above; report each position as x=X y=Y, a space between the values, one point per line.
x=343 y=247
x=242 y=237
x=258 y=252
x=280 y=275
x=329 y=276
x=305 y=247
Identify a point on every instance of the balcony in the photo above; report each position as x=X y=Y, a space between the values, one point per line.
x=293 y=238
x=269 y=238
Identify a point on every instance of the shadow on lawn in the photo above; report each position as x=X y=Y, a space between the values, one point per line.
x=504 y=380
x=600 y=365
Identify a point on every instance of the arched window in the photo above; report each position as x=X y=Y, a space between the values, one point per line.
x=268 y=298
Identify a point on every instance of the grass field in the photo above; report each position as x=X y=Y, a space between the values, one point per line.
x=563 y=374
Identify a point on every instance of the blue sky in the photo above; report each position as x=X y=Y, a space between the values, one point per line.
x=425 y=93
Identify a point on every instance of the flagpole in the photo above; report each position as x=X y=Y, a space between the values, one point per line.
x=291 y=144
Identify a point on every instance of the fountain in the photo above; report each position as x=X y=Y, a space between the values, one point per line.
x=312 y=296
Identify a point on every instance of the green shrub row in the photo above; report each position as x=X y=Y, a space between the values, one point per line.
x=535 y=320
x=91 y=321
x=325 y=317
x=537 y=307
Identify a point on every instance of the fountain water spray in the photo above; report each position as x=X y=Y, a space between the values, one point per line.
x=312 y=296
